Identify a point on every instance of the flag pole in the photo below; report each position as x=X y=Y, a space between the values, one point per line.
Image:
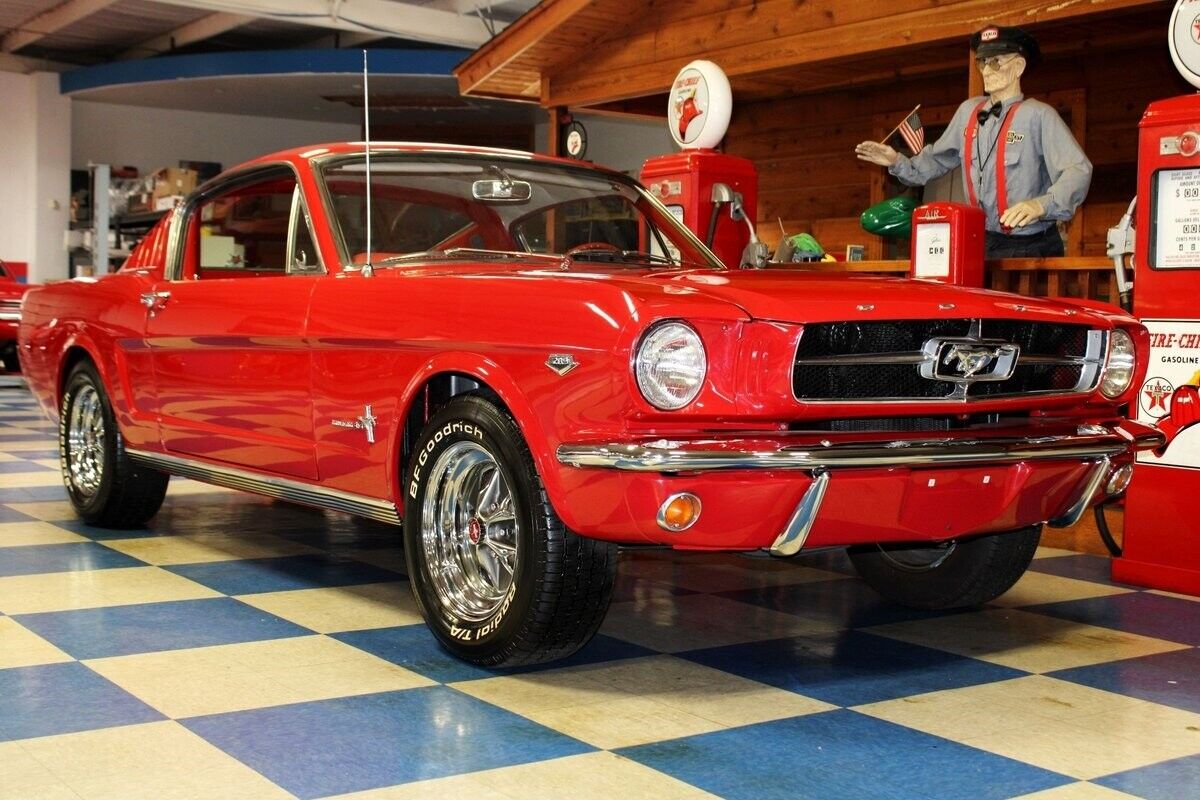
x=898 y=124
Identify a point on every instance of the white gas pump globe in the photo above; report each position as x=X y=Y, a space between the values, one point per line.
x=699 y=106
x=1184 y=39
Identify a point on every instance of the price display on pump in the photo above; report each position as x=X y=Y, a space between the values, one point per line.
x=1177 y=219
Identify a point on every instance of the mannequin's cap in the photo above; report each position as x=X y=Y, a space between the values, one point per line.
x=995 y=40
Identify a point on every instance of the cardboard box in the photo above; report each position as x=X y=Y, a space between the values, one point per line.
x=168 y=202
x=170 y=181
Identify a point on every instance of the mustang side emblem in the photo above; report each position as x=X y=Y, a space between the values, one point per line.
x=968 y=360
x=561 y=363
x=365 y=423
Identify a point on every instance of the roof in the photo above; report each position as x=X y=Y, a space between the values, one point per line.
x=589 y=53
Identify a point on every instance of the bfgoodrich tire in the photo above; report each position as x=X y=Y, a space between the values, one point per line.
x=960 y=573
x=104 y=485
x=498 y=578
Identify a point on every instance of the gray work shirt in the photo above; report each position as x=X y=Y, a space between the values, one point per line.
x=1042 y=161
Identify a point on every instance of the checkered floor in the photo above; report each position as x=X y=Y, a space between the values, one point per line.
x=241 y=648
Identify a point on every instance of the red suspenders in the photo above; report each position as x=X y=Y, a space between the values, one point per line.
x=969 y=135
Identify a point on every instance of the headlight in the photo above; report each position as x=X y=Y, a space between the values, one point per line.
x=1119 y=365
x=671 y=366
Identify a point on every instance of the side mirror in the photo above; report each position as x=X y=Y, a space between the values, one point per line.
x=1185 y=412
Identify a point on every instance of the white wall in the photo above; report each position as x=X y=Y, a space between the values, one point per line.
x=620 y=143
x=35 y=129
x=149 y=138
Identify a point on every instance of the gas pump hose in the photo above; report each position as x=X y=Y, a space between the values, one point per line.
x=1106 y=534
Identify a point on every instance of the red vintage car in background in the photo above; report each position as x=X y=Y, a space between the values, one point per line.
x=529 y=362
x=11 y=293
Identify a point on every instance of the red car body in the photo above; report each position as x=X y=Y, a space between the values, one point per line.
x=252 y=373
x=11 y=293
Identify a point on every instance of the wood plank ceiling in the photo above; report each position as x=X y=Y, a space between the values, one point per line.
x=590 y=53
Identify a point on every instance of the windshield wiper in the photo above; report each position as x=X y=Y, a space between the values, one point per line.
x=461 y=253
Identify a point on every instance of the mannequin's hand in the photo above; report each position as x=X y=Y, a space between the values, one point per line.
x=1022 y=214
x=876 y=153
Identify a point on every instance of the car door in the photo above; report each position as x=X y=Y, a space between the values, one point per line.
x=226 y=329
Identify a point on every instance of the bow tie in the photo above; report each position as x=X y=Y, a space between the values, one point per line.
x=983 y=115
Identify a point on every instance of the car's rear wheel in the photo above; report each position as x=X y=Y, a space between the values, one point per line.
x=104 y=485
x=498 y=577
x=966 y=572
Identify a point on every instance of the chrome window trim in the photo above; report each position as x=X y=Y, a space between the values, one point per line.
x=299 y=207
x=214 y=188
x=326 y=160
x=270 y=485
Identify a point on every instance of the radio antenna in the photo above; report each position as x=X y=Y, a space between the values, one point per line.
x=368 y=270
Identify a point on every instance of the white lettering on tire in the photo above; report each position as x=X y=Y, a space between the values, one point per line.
x=421 y=458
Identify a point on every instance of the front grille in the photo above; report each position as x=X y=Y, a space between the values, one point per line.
x=882 y=360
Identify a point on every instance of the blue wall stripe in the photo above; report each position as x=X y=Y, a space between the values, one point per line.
x=260 y=62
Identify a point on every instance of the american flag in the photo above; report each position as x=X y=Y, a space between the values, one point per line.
x=912 y=132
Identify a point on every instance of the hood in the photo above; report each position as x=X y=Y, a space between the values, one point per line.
x=783 y=296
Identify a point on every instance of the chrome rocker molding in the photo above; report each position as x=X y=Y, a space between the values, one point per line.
x=696 y=456
x=281 y=488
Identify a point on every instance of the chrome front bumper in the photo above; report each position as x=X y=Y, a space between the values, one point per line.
x=1093 y=444
x=699 y=455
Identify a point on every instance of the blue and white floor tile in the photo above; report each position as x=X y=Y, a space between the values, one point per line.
x=242 y=648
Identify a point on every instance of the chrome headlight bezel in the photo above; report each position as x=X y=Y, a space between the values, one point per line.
x=670 y=349
x=1120 y=364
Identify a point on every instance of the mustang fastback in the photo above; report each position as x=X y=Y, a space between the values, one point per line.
x=529 y=363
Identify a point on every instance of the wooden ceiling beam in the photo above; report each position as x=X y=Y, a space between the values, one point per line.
x=528 y=31
x=50 y=21
x=581 y=85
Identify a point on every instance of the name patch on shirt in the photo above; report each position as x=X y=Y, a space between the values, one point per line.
x=1012 y=137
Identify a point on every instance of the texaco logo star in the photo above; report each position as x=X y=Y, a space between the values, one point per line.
x=1156 y=391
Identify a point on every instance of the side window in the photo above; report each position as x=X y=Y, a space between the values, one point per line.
x=304 y=256
x=243 y=232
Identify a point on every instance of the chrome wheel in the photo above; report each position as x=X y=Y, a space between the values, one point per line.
x=469 y=532
x=85 y=442
x=917 y=559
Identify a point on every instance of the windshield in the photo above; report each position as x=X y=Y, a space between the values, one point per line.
x=426 y=206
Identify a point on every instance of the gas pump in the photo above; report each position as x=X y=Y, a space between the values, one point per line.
x=713 y=194
x=1162 y=536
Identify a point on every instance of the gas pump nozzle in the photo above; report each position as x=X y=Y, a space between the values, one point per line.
x=756 y=253
x=1120 y=244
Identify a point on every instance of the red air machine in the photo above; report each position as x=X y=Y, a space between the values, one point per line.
x=947 y=244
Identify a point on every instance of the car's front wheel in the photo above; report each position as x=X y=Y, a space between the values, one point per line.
x=498 y=577
x=966 y=572
x=104 y=485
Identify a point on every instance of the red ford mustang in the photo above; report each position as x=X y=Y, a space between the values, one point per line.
x=528 y=362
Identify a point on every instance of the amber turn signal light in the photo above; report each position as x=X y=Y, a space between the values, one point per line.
x=679 y=512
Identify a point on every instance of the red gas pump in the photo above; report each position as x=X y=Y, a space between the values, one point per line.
x=713 y=194
x=691 y=183
x=947 y=243
x=1162 y=537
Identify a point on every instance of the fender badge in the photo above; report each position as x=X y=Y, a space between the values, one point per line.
x=561 y=363
x=365 y=423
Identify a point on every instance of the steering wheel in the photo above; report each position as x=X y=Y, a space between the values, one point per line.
x=594 y=247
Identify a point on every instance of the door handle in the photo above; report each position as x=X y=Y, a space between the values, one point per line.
x=155 y=300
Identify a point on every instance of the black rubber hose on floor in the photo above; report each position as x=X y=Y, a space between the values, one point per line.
x=1105 y=534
